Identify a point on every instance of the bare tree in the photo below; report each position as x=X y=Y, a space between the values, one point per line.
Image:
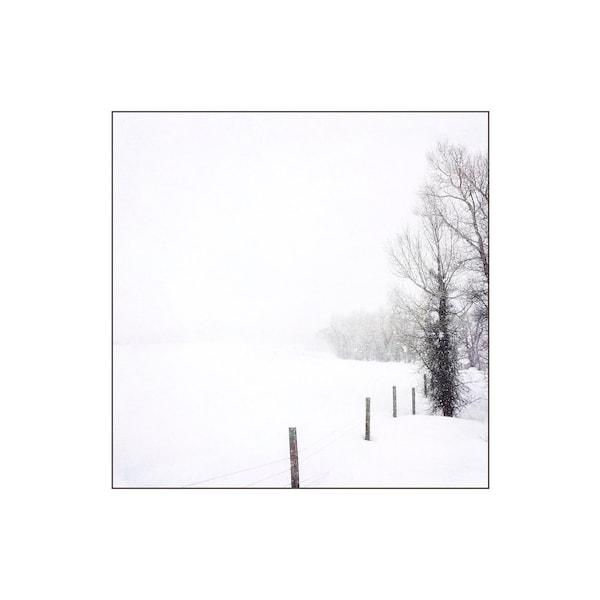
x=431 y=258
x=472 y=331
x=457 y=190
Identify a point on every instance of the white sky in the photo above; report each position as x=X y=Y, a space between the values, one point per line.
x=263 y=224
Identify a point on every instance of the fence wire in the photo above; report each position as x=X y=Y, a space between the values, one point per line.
x=266 y=478
x=274 y=462
x=345 y=430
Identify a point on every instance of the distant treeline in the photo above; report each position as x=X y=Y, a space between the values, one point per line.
x=387 y=335
x=368 y=336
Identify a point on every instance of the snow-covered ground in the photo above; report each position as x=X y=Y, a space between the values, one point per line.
x=217 y=415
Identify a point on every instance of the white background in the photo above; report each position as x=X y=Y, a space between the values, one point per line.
x=263 y=224
x=66 y=534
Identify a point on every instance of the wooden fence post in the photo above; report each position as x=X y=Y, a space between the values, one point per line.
x=425 y=385
x=394 y=402
x=294 y=458
x=368 y=420
x=413 y=400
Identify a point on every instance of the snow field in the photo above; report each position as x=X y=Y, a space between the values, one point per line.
x=217 y=415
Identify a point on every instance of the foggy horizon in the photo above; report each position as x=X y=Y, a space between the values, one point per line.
x=262 y=226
